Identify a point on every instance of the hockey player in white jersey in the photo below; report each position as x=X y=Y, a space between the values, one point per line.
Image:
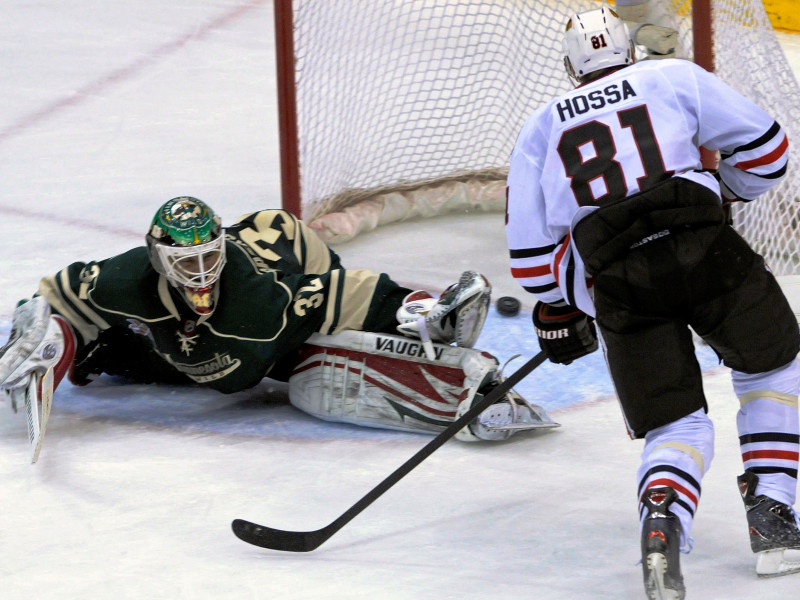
x=613 y=220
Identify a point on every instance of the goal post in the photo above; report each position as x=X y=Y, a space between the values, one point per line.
x=287 y=107
x=394 y=109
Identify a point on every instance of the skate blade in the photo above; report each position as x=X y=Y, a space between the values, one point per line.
x=656 y=590
x=773 y=563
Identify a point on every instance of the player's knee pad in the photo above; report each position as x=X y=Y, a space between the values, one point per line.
x=691 y=436
x=768 y=403
x=784 y=380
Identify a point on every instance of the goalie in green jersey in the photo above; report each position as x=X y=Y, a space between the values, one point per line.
x=225 y=307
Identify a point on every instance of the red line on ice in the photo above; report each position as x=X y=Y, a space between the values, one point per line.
x=126 y=72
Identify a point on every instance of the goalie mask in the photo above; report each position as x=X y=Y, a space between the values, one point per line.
x=186 y=244
x=595 y=40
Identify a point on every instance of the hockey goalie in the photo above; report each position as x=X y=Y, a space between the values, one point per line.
x=223 y=308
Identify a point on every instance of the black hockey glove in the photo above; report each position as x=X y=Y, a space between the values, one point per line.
x=565 y=333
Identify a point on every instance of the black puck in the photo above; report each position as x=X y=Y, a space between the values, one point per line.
x=508 y=306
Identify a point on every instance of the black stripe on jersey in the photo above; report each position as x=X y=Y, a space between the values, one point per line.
x=786 y=471
x=531 y=252
x=337 y=297
x=540 y=289
x=669 y=469
x=774 y=175
x=771 y=133
x=571 y=281
x=751 y=438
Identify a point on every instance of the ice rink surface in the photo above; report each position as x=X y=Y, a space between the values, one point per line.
x=108 y=110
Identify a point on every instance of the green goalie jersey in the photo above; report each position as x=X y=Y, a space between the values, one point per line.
x=281 y=284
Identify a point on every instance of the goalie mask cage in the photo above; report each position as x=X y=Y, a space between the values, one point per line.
x=392 y=109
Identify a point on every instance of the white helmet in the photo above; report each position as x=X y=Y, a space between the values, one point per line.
x=596 y=40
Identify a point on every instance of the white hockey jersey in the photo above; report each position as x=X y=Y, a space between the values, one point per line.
x=618 y=135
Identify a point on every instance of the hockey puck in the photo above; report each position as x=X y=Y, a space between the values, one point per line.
x=508 y=306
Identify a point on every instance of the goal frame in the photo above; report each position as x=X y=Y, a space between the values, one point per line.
x=291 y=192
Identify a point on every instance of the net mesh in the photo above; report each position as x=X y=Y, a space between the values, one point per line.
x=411 y=107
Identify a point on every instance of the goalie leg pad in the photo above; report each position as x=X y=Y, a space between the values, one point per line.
x=386 y=381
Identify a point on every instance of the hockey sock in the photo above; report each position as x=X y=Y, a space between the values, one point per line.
x=769 y=431
x=677 y=455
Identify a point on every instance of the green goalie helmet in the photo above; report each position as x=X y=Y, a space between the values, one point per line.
x=186 y=244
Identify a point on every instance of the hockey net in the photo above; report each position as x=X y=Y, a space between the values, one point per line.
x=410 y=108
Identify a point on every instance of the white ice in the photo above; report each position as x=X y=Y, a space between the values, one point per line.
x=109 y=109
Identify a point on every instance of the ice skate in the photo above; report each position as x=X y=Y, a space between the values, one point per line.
x=457 y=316
x=509 y=415
x=661 y=540
x=773 y=529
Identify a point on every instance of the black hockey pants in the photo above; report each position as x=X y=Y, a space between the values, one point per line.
x=703 y=276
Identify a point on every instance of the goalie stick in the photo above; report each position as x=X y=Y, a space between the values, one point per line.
x=306 y=541
x=37 y=396
x=39 y=393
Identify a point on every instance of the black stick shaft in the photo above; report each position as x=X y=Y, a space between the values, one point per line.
x=306 y=541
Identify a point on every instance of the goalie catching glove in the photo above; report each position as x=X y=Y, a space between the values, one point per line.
x=565 y=333
x=456 y=317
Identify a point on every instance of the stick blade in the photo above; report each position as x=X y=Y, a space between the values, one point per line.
x=277 y=539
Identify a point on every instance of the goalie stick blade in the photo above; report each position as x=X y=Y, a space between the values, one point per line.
x=43 y=384
x=306 y=541
x=278 y=539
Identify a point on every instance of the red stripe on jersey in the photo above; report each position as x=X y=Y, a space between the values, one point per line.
x=776 y=454
x=675 y=486
x=766 y=159
x=522 y=272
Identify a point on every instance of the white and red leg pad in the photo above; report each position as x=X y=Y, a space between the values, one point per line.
x=386 y=381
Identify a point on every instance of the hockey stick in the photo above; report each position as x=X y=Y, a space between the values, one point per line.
x=306 y=541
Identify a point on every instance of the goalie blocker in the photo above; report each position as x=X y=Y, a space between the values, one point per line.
x=38 y=354
x=387 y=381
